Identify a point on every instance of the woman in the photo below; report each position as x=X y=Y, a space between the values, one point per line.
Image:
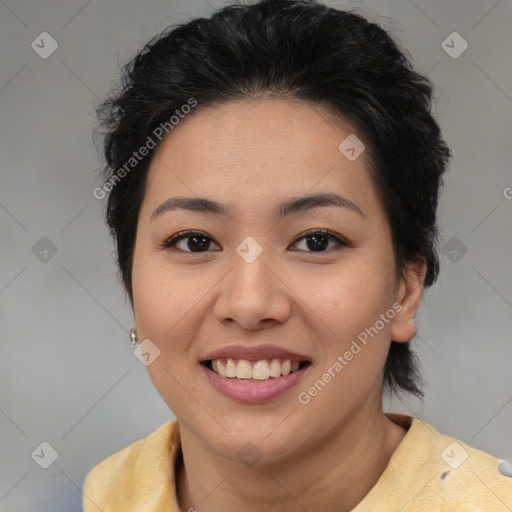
x=272 y=178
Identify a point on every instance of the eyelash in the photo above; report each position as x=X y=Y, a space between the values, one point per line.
x=182 y=235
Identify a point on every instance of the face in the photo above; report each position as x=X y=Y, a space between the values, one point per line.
x=261 y=287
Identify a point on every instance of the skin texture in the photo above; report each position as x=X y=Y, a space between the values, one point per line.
x=251 y=155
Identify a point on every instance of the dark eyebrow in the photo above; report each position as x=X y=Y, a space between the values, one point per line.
x=301 y=204
x=293 y=205
x=195 y=204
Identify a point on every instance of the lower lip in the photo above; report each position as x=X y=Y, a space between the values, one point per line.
x=254 y=392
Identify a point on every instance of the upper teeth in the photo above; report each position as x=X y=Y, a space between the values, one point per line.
x=259 y=370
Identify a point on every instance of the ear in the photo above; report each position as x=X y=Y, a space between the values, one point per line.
x=409 y=296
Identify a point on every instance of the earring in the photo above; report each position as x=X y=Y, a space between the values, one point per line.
x=133 y=336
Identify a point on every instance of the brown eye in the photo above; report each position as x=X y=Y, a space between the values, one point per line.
x=189 y=241
x=197 y=242
x=318 y=240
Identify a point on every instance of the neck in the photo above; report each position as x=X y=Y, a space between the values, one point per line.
x=342 y=470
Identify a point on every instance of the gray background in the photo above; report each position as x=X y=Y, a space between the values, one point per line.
x=68 y=374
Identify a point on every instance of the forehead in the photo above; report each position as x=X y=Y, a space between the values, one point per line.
x=259 y=149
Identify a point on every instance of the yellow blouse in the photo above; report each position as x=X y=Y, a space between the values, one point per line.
x=427 y=472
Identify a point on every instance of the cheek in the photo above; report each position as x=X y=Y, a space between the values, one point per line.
x=354 y=351
x=164 y=297
x=160 y=312
x=167 y=304
x=346 y=299
x=162 y=300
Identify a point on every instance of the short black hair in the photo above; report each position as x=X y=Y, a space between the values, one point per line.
x=297 y=49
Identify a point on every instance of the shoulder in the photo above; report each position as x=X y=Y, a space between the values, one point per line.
x=450 y=474
x=469 y=476
x=143 y=468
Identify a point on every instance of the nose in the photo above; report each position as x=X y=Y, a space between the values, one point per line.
x=252 y=295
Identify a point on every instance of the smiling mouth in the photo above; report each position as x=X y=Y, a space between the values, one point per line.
x=243 y=370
